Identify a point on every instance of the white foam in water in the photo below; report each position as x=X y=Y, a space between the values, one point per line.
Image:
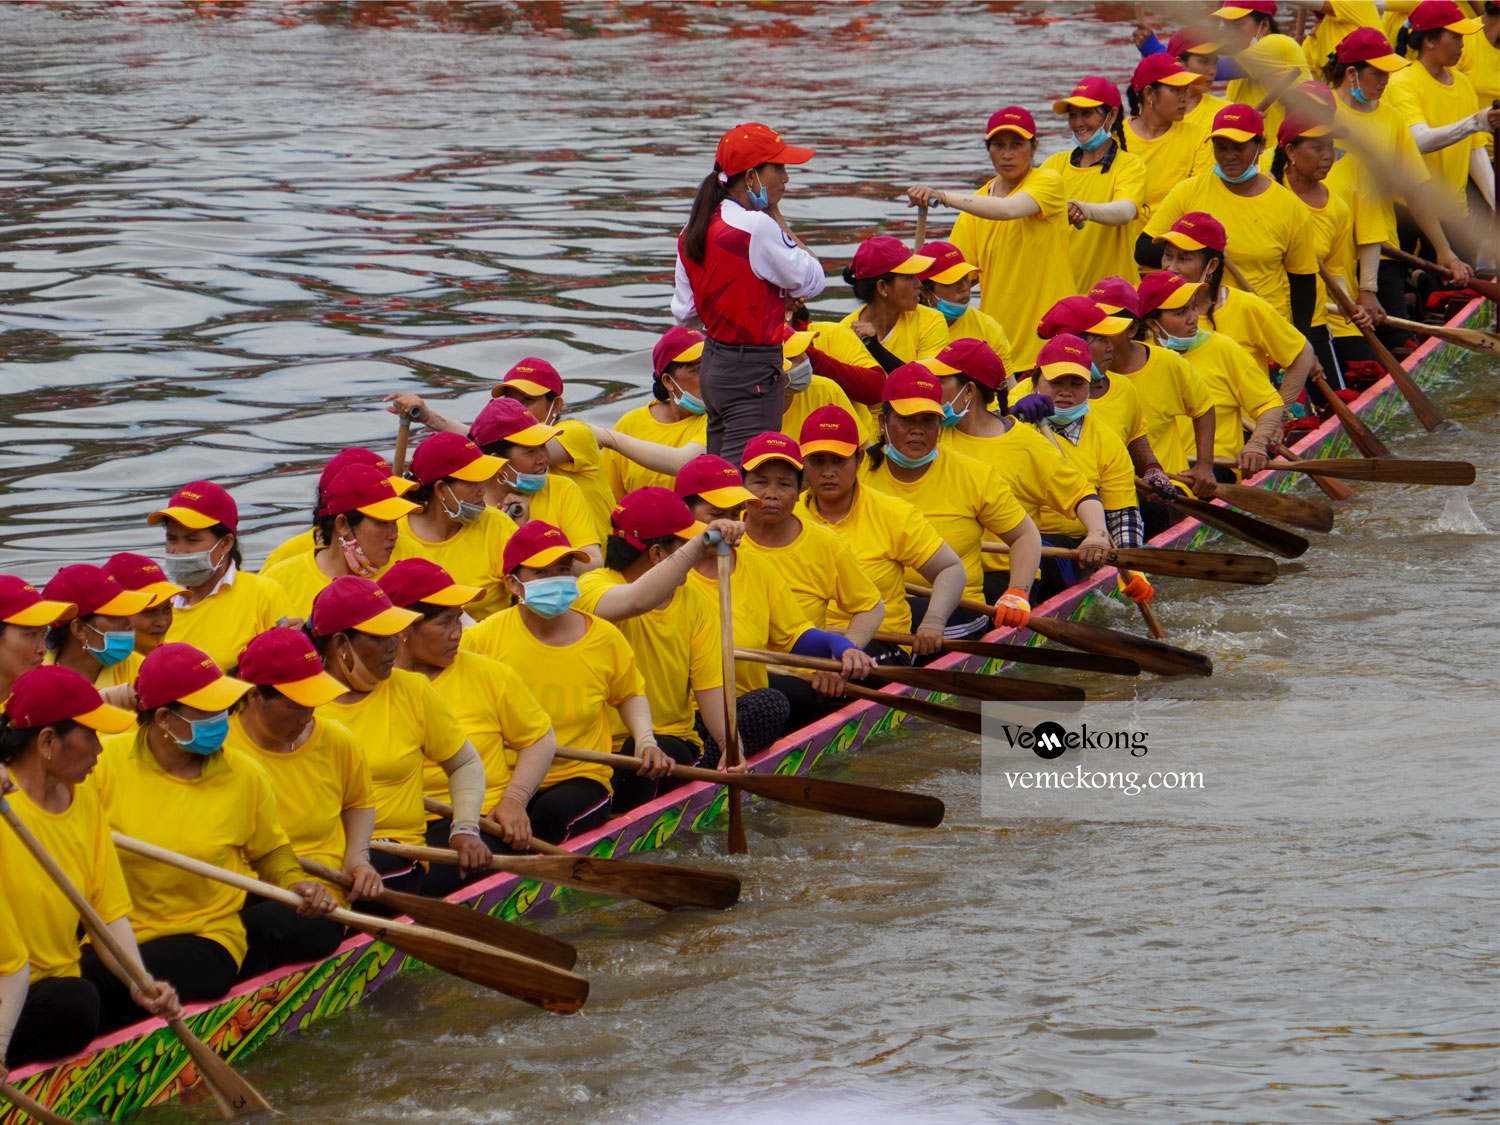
x=1458 y=517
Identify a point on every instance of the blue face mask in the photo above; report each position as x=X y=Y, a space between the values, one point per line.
x=1071 y=414
x=950 y=311
x=550 y=597
x=1241 y=178
x=1356 y=93
x=530 y=483
x=691 y=402
x=761 y=200
x=1095 y=375
x=208 y=734
x=1096 y=141
x=1183 y=343
x=117 y=646
x=950 y=418
x=902 y=461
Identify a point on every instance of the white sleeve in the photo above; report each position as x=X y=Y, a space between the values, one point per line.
x=1114 y=213
x=684 y=308
x=1482 y=172
x=776 y=258
x=1430 y=139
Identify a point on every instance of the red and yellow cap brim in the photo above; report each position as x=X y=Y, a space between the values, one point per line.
x=402 y=485
x=907 y=407
x=125 y=603
x=1180 y=296
x=452 y=595
x=1178 y=239
x=1463 y=27
x=313 y=691
x=392 y=508
x=954 y=272
x=1078 y=100
x=1007 y=127
x=915 y=264
x=692 y=530
x=188 y=517
x=691 y=355
x=1110 y=326
x=794 y=345
x=161 y=592
x=1065 y=367
x=770 y=455
x=534 y=434
x=1230 y=12
x=938 y=367
x=547 y=556
x=1181 y=78
x=1238 y=136
x=730 y=496
x=481 y=468
x=219 y=695
x=826 y=445
x=107 y=719
x=525 y=386
x=43 y=613
x=388 y=622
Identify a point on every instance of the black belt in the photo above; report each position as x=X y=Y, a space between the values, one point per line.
x=747 y=349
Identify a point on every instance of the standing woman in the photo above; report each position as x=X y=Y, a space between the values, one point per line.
x=224 y=605
x=738 y=263
x=1105 y=185
x=891 y=320
x=1019 y=216
x=1156 y=131
x=1269 y=61
x=25 y=618
x=137 y=572
x=99 y=643
x=674 y=417
x=947 y=286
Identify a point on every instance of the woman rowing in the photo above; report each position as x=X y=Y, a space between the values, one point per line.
x=674 y=417
x=172 y=783
x=324 y=796
x=361 y=521
x=25 y=619
x=224 y=605
x=136 y=572
x=309 y=541
x=1105 y=185
x=400 y=722
x=49 y=744
x=455 y=528
x=888 y=536
x=1019 y=216
x=1173 y=149
x=578 y=666
x=891 y=320
x=963 y=498
x=806 y=390
x=1198 y=52
x=1269 y=62
x=98 y=642
x=948 y=285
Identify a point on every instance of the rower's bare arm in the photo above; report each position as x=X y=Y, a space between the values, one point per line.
x=594 y=561
x=359 y=826
x=1025 y=543
x=945 y=574
x=635 y=713
x=1094 y=549
x=658 y=584
x=402 y=402
x=648 y=454
x=1017 y=205
x=1201 y=473
x=710 y=703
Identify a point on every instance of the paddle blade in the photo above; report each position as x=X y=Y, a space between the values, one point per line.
x=862 y=802
x=660 y=884
x=1153 y=656
x=977 y=685
x=1313 y=515
x=956 y=717
x=235 y=1096
x=1047 y=657
x=1394 y=470
x=1209 y=566
x=1257 y=533
x=483 y=928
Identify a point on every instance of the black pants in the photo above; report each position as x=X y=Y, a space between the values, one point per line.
x=402 y=875
x=280 y=936
x=962 y=623
x=1390 y=291
x=1155 y=515
x=761 y=716
x=199 y=968
x=569 y=808
x=745 y=392
x=632 y=790
x=59 y=1018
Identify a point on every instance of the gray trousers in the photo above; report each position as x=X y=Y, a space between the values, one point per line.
x=745 y=391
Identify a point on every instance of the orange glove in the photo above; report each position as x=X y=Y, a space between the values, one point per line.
x=1138 y=589
x=1012 y=610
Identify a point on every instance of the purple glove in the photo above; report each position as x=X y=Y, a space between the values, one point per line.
x=1032 y=408
x=1160 y=483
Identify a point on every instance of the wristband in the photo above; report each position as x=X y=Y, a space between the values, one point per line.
x=463 y=830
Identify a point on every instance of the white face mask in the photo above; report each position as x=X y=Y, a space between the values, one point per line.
x=799 y=378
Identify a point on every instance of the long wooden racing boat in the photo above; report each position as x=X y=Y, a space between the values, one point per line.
x=144 y=1064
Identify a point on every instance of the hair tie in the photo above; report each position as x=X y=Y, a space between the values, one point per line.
x=723 y=178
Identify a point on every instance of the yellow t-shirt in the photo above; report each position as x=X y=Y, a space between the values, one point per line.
x=1101 y=457
x=1346 y=16
x=676 y=648
x=976 y=324
x=1333 y=242
x=497 y=711
x=116 y=674
x=1201 y=116
x=13 y=956
x=587 y=471
x=1181 y=152
x=1422 y=100
x=223 y=623
x=1098 y=251
x=624 y=474
x=840 y=342
x=799 y=404
x=963 y=499
x=314 y=785
x=298 y=544
x=226 y=817
x=1481 y=62
x=576 y=684
x=1249 y=320
x=561 y=504
x=917 y=334
x=889 y=537
x=1271 y=57
x=473 y=556
x=1377 y=139
x=1119 y=407
x=400 y=725
x=1267 y=234
x=822 y=573
x=1018 y=296
x=78 y=839
x=1237 y=385
x=303 y=579
x=1168 y=388
x=766 y=613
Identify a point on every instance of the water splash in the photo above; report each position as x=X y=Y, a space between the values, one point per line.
x=1459 y=517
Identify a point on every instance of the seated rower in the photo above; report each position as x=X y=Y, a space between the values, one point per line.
x=360 y=519
x=136 y=572
x=676 y=416
x=891 y=319
x=400 y=722
x=311 y=540
x=49 y=743
x=805 y=390
x=25 y=618
x=491 y=702
x=172 y=783
x=324 y=796
x=98 y=643
x=948 y=285
x=580 y=668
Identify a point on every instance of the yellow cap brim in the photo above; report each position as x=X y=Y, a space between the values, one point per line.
x=1112 y=310
x=1463 y=27
x=938 y=367
x=481 y=468
x=915 y=264
x=1110 y=326
x=525 y=386
x=43 y=613
x=185 y=516
x=692 y=355
x=910 y=406
x=452 y=595
x=1238 y=136
x=1229 y=12
x=796 y=345
x=548 y=556
x=313 y=691
x=1388 y=63
x=953 y=273
x=1180 y=296
x=125 y=603
x=837 y=448
x=107 y=719
x=388 y=622
x=1009 y=129
x=220 y=695
x=534 y=435
x=1064 y=367
x=1177 y=239
x=730 y=497
x=402 y=485
x=1182 y=78
x=392 y=509
x=691 y=531
x=1078 y=100
x=756 y=462
x=161 y=592
x=1316 y=131
x=1204 y=49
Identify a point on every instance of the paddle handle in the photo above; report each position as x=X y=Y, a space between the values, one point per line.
x=1153 y=626
x=689 y=773
x=32 y=1107
x=1484 y=286
x=1332 y=487
x=1364 y=438
x=956 y=717
x=738 y=845
x=964 y=603
x=1484 y=342
x=921 y=235
x=490 y=828
x=403 y=435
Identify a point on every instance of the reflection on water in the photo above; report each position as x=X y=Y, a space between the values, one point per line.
x=227 y=230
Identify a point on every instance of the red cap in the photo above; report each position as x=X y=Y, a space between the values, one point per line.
x=1237 y=8
x=422 y=580
x=20 y=604
x=1441 y=13
x=1077 y=315
x=137 y=572
x=1239 y=123
x=773 y=445
x=537 y=544
x=1161 y=68
x=505 y=419
x=198 y=505
x=179 y=673
x=285 y=659
x=54 y=694
x=93 y=591
x=1192 y=41
x=359 y=455
x=751 y=145
x=1296 y=125
x=1011 y=119
x=913 y=389
x=1163 y=290
x=1065 y=355
x=448 y=454
x=948 y=263
x=1369 y=45
x=351 y=602
x=1089 y=92
x=1116 y=295
x=531 y=376
x=967 y=356
x=677 y=345
x=883 y=254
x=714 y=479
x=829 y=429
x=650 y=513
x=1197 y=230
x=364 y=488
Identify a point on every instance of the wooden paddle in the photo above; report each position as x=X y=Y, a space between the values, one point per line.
x=921 y=235
x=841 y=798
x=1210 y=566
x=1395 y=470
x=403 y=435
x=235 y=1096
x=1310 y=514
x=956 y=717
x=1258 y=533
x=536 y=982
x=452 y=918
x=31 y=1107
x=656 y=883
x=1422 y=406
x=1152 y=656
x=1333 y=489
x=1153 y=626
x=1487 y=288
x=975 y=685
x=1028 y=654
x=1486 y=343
x=725 y=562
x=1365 y=439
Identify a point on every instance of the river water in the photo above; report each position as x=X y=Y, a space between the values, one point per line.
x=229 y=229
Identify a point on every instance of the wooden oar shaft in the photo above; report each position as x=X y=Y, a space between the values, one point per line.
x=1364 y=438
x=1027 y=654
x=1258 y=533
x=403 y=436
x=921 y=235
x=1211 y=566
x=724 y=561
x=1486 y=287
x=1487 y=343
x=956 y=717
x=32 y=1107
x=1313 y=515
x=1332 y=488
x=1393 y=470
x=950 y=681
